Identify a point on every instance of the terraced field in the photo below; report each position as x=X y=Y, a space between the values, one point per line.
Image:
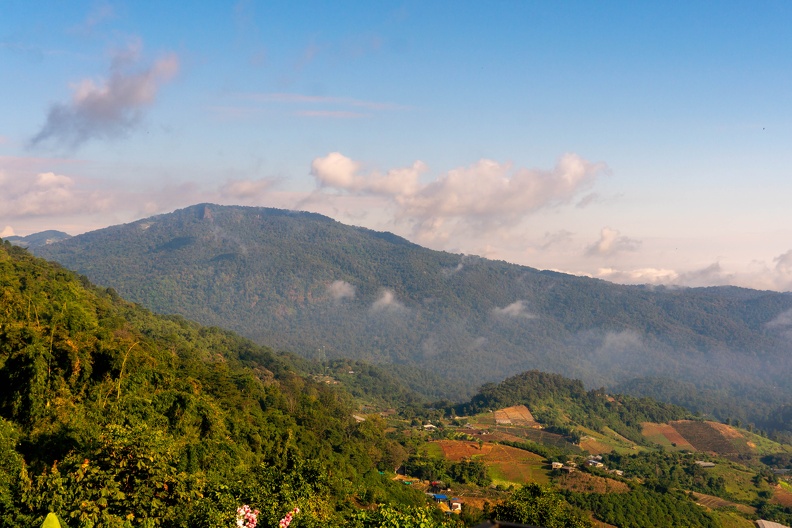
x=506 y=465
x=715 y=503
x=516 y=415
x=666 y=436
x=711 y=437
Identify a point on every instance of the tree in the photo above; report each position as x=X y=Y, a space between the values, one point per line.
x=540 y=506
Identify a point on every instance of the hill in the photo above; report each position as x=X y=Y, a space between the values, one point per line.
x=112 y=416
x=38 y=239
x=304 y=282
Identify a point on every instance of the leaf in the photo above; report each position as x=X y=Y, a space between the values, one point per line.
x=51 y=521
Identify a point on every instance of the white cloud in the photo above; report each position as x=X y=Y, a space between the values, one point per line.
x=107 y=108
x=638 y=276
x=467 y=200
x=387 y=301
x=516 y=309
x=7 y=231
x=611 y=242
x=48 y=193
x=339 y=290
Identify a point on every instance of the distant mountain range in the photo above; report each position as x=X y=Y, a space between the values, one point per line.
x=38 y=239
x=304 y=282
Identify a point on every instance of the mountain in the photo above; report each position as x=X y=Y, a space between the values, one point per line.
x=304 y=282
x=38 y=239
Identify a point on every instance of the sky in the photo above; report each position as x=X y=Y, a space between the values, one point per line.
x=636 y=142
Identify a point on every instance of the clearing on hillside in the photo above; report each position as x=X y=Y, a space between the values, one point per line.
x=587 y=483
x=782 y=495
x=714 y=503
x=515 y=415
x=506 y=465
x=666 y=436
x=708 y=436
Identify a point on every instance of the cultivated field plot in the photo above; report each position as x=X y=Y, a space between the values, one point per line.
x=506 y=464
x=782 y=495
x=516 y=415
x=594 y=446
x=715 y=503
x=705 y=437
x=588 y=483
x=536 y=435
x=666 y=436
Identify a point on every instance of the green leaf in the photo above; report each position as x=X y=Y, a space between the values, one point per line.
x=51 y=521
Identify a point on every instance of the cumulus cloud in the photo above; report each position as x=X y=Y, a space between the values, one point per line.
x=7 y=231
x=463 y=200
x=340 y=290
x=516 y=309
x=107 y=108
x=48 y=193
x=387 y=302
x=611 y=242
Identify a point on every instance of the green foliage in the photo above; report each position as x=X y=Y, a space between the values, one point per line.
x=645 y=509
x=412 y=517
x=269 y=274
x=560 y=403
x=433 y=468
x=111 y=416
x=663 y=471
x=539 y=506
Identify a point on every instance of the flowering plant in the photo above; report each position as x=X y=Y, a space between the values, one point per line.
x=246 y=518
x=284 y=523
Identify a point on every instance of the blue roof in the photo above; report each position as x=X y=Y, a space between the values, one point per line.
x=440 y=497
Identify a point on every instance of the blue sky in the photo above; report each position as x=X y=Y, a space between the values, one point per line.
x=638 y=142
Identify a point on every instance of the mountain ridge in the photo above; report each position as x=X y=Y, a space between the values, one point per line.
x=305 y=282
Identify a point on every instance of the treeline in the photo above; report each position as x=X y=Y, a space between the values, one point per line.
x=440 y=469
x=558 y=402
x=642 y=508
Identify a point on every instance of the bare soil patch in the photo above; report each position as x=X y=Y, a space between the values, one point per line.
x=705 y=437
x=456 y=450
x=516 y=415
x=726 y=430
x=781 y=496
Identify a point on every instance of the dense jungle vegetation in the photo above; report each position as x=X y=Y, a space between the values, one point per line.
x=447 y=323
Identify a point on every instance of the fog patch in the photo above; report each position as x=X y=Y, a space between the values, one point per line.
x=782 y=323
x=387 y=303
x=340 y=290
x=517 y=310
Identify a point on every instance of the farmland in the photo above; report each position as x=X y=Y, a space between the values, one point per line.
x=506 y=465
x=588 y=483
x=666 y=436
x=709 y=437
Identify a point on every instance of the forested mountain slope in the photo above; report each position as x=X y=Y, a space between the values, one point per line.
x=112 y=416
x=307 y=283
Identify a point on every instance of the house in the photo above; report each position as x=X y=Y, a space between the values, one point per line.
x=594 y=463
x=440 y=498
x=704 y=464
x=557 y=465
